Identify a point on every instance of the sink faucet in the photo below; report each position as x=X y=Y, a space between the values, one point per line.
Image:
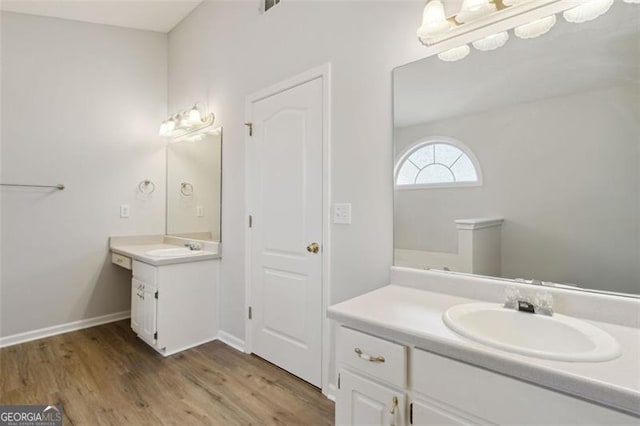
x=542 y=303
x=193 y=246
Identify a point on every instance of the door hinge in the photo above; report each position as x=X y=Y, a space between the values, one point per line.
x=411 y=413
x=250 y=221
x=250 y=126
x=338 y=380
x=250 y=313
x=155 y=335
x=156 y=295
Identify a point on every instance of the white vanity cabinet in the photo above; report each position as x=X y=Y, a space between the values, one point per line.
x=173 y=307
x=143 y=310
x=386 y=383
x=365 y=402
x=371 y=381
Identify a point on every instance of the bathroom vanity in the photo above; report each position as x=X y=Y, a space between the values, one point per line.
x=174 y=290
x=398 y=363
x=483 y=186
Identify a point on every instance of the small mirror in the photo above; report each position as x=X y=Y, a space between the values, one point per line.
x=524 y=162
x=194 y=187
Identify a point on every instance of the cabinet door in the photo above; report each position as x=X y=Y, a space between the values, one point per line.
x=423 y=413
x=148 y=317
x=136 y=305
x=361 y=401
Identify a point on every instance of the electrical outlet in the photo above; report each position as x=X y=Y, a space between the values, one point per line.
x=342 y=213
x=124 y=211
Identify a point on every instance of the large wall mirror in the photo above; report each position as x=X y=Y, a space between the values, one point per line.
x=524 y=162
x=194 y=175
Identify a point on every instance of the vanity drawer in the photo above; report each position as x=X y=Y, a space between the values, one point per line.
x=377 y=357
x=145 y=273
x=121 y=260
x=500 y=399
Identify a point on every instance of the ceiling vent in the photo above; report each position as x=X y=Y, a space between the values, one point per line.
x=269 y=4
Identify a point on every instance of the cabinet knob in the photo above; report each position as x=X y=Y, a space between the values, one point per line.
x=313 y=248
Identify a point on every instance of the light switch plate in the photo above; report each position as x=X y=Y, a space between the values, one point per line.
x=342 y=213
x=200 y=211
x=124 y=211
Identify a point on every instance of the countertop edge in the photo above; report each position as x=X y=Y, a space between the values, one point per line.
x=594 y=391
x=167 y=261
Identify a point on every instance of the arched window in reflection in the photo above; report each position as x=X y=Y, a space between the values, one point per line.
x=437 y=162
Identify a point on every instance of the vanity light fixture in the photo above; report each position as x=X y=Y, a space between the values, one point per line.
x=434 y=22
x=535 y=28
x=167 y=126
x=194 y=115
x=474 y=9
x=455 y=54
x=587 y=11
x=491 y=42
x=188 y=123
x=437 y=28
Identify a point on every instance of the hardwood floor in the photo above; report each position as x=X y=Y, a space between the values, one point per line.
x=106 y=375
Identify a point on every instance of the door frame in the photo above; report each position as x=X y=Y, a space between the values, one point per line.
x=323 y=72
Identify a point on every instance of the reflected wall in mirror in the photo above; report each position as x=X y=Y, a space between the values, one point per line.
x=524 y=162
x=194 y=187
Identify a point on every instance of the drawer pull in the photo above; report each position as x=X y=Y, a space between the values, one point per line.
x=394 y=405
x=367 y=357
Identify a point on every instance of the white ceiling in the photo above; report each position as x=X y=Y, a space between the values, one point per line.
x=152 y=15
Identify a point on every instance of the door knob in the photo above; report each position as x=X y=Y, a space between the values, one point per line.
x=313 y=248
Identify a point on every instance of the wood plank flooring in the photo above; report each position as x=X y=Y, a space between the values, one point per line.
x=106 y=375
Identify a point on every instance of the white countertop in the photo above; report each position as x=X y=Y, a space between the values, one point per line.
x=138 y=252
x=414 y=317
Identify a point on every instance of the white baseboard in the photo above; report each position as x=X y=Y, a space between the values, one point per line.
x=330 y=392
x=28 y=336
x=231 y=340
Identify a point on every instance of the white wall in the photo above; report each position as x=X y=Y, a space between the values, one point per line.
x=80 y=106
x=564 y=172
x=224 y=51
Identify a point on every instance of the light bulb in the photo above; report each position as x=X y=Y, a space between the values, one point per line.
x=587 y=11
x=474 y=9
x=182 y=120
x=535 y=28
x=434 y=22
x=491 y=42
x=474 y=5
x=194 y=115
x=454 y=54
x=163 y=128
x=170 y=126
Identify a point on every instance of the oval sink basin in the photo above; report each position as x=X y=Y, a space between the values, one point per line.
x=556 y=337
x=172 y=252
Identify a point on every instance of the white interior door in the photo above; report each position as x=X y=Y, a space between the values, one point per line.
x=285 y=203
